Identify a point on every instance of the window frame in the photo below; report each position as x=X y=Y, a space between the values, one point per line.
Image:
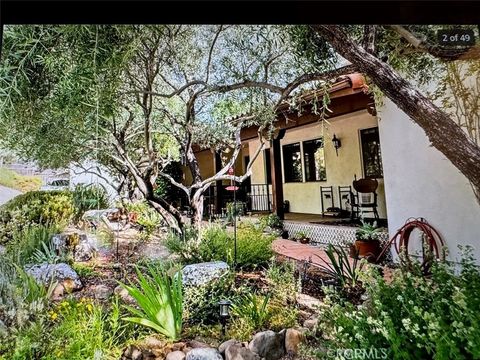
x=304 y=162
x=362 y=152
x=284 y=164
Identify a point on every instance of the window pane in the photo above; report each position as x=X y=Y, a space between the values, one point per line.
x=292 y=162
x=372 y=157
x=268 y=168
x=314 y=157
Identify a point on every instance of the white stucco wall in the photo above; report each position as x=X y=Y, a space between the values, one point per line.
x=421 y=182
x=304 y=197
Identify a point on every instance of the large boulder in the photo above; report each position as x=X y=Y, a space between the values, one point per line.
x=48 y=273
x=268 y=344
x=238 y=352
x=83 y=246
x=203 y=354
x=203 y=273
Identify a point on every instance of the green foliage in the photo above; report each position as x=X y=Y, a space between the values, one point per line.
x=144 y=216
x=282 y=281
x=234 y=209
x=159 y=297
x=28 y=243
x=88 y=197
x=253 y=247
x=200 y=303
x=413 y=317
x=270 y=220
x=22 y=302
x=368 y=231
x=84 y=271
x=74 y=330
x=216 y=244
x=339 y=266
x=47 y=253
x=35 y=207
x=11 y=179
x=165 y=189
x=253 y=309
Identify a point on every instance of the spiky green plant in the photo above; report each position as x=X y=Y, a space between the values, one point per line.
x=339 y=266
x=159 y=298
x=253 y=309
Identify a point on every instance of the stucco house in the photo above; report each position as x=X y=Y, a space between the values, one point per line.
x=302 y=166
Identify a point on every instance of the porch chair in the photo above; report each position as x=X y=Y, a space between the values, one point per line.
x=365 y=199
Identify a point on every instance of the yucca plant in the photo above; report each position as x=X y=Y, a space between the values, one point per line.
x=159 y=298
x=339 y=267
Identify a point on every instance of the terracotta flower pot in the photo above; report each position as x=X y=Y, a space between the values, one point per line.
x=304 y=240
x=367 y=248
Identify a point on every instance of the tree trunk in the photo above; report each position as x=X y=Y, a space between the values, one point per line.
x=197 y=206
x=444 y=134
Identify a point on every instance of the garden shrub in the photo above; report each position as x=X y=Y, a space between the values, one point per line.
x=414 y=317
x=74 y=330
x=29 y=241
x=216 y=244
x=35 y=207
x=200 y=303
x=88 y=197
x=271 y=220
x=145 y=217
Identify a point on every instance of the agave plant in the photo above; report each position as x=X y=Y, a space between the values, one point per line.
x=159 y=298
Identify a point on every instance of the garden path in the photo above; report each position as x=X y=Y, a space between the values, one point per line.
x=301 y=252
x=6 y=194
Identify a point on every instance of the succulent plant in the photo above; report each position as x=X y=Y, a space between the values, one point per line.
x=368 y=232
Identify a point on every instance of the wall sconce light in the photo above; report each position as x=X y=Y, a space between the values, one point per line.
x=336 y=143
x=224 y=312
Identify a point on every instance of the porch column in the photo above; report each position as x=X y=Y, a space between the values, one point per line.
x=218 y=184
x=276 y=172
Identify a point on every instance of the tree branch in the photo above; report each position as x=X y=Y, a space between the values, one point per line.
x=444 y=134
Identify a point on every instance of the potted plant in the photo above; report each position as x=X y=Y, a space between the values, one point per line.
x=302 y=237
x=367 y=243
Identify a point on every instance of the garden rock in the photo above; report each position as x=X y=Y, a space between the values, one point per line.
x=86 y=248
x=268 y=344
x=223 y=346
x=63 y=273
x=102 y=292
x=2 y=249
x=311 y=323
x=124 y=295
x=203 y=273
x=238 y=352
x=82 y=246
x=176 y=355
x=308 y=302
x=293 y=338
x=203 y=354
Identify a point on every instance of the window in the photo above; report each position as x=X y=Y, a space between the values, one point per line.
x=314 y=158
x=268 y=167
x=292 y=163
x=371 y=155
